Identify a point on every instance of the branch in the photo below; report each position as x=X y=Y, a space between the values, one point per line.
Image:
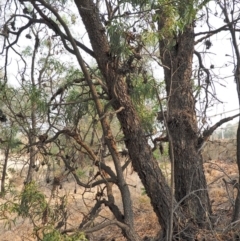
x=49 y=140
x=98 y=227
x=207 y=133
x=74 y=135
x=210 y=33
x=114 y=209
x=159 y=139
x=91 y=184
x=107 y=169
x=203 y=67
x=111 y=113
x=90 y=217
x=52 y=25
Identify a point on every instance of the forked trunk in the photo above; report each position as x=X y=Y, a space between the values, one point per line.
x=182 y=121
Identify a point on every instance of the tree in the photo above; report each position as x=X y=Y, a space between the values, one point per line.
x=8 y=142
x=119 y=41
x=227 y=10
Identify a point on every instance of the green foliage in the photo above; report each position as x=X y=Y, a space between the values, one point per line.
x=117 y=35
x=33 y=202
x=30 y=203
x=27 y=51
x=72 y=73
x=143 y=91
x=23 y=99
x=173 y=16
x=143 y=191
x=80 y=173
x=50 y=234
x=53 y=65
x=79 y=108
x=38 y=98
x=63 y=2
x=15 y=144
x=150 y=38
x=6 y=210
x=143 y=96
x=147 y=116
x=141 y=3
x=9 y=137
x=164 y=156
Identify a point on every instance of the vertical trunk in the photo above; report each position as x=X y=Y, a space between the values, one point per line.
x=32 y=132
x=6 y=156
x=236 y=213
x=182 y=123
x=4 y=171
x=32 y=158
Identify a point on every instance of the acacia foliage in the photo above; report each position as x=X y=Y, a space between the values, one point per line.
x=69 y=114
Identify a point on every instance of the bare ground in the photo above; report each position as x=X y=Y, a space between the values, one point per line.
x=220 y=176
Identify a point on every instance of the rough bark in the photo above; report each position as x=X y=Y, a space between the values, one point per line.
x=140 y=152
x=182 y=123
x=236 y=213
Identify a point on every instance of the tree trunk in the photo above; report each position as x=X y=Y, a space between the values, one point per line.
x=32 y=159
x=139 y=150
x=4 y=171
x=236 y=213
x=182 y=123
x=5 y=164
x=33 y=131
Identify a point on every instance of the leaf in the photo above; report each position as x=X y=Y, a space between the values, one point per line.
x=27 y=51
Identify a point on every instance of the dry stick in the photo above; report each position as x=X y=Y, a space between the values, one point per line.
x=231 y=200
x=170 y=229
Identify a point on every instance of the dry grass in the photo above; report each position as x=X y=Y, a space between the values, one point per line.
x=221 y=193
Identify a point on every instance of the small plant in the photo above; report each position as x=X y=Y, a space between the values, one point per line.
x=50 y=234
x=143 y=191
x=33 y=202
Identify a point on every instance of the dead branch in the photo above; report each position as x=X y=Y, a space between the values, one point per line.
x=208 y=132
